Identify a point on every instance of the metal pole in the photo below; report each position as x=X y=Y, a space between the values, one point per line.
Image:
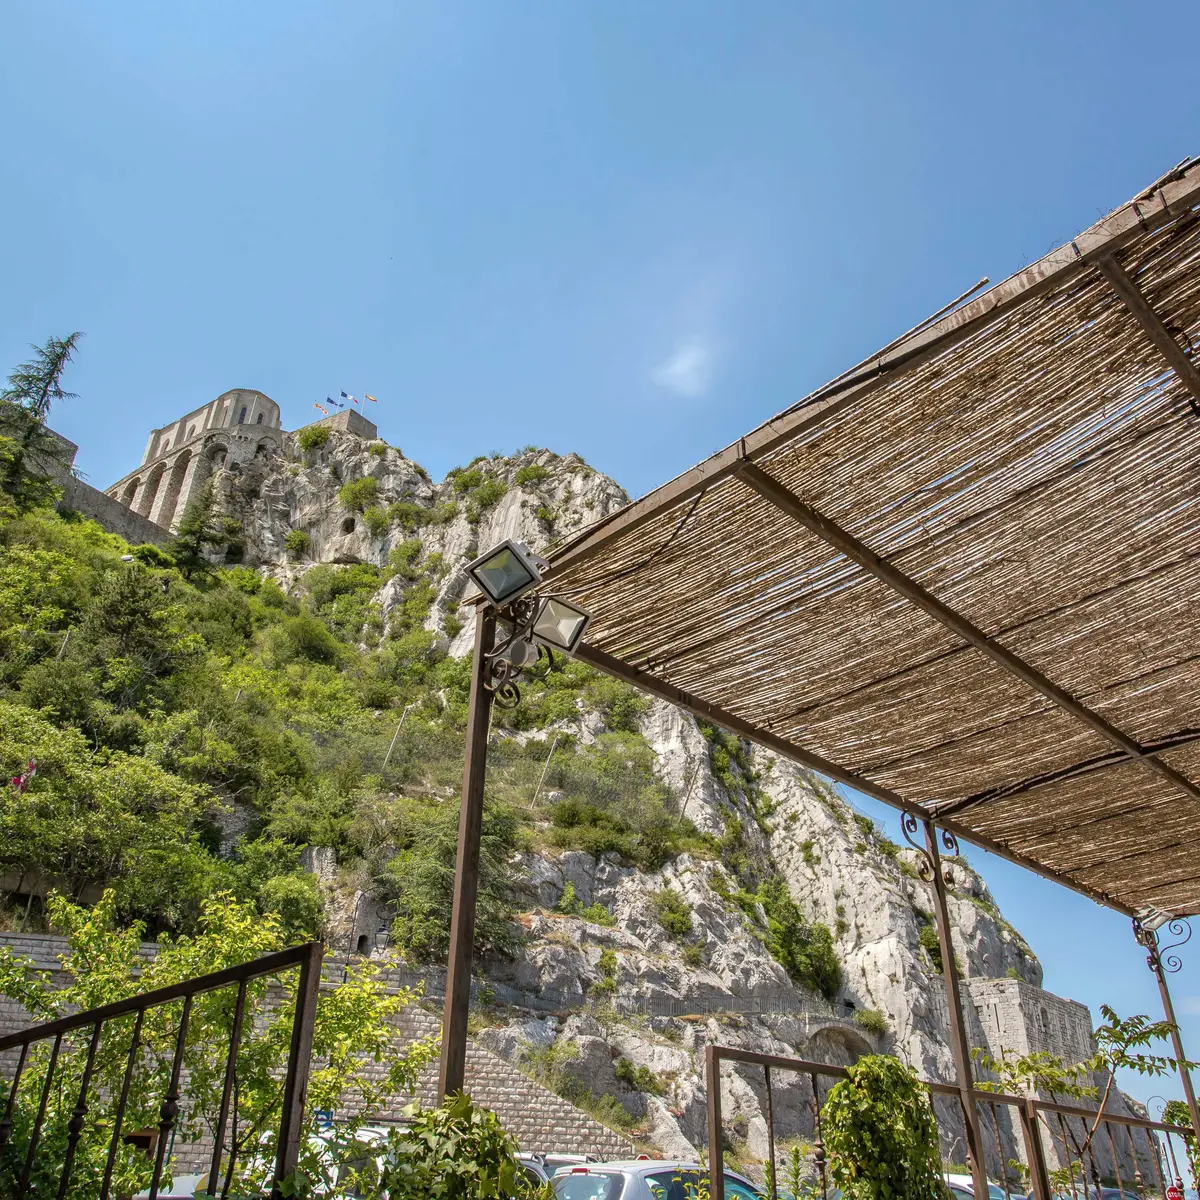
x=1035 y=1152
x=1154 y=960
x=716 y=1152
x=396 y=736
x=452 y=1074
x=537 y=790
x=958 y=1030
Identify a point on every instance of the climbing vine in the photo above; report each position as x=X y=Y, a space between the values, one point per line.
x=880 y=1133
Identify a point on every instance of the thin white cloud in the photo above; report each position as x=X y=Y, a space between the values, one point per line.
x=688 y=371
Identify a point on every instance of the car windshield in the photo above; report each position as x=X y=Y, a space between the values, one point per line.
x=687 y=1185
x=592 y=1186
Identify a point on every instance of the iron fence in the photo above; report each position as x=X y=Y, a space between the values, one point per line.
x=60 y=1054
x=1035 y=1147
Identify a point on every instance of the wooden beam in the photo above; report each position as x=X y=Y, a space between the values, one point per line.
x=1141 y=215
x=1139 y=307
x=842 y=540
x=652 y=685
x=1076 y=771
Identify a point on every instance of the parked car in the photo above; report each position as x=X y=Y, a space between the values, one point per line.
x=963 y=1188
x=644 y=1179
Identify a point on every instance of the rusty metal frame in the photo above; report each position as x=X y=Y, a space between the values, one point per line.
x=307 y=957
x=1028 y=1110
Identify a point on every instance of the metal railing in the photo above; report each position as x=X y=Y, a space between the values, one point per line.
x=1073 y=1133
x=19 y=1159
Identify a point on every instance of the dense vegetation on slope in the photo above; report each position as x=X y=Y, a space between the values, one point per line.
x=194 y=727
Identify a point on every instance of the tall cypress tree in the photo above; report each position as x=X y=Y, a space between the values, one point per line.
x=32 y=458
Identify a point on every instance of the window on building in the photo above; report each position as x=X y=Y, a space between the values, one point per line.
x=191 y=431
x=259 y=421
x=242 y=415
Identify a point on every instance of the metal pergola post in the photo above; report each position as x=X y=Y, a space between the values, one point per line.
x=452 y=1073
x=1148 y=938
x=958 y=1029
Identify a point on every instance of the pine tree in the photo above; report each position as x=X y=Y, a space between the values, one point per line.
x=32 y=457
x=198 y=528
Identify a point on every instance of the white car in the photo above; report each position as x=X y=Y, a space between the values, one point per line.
x=644 y=1179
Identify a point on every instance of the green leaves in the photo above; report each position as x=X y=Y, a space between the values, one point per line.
x=880 y=1133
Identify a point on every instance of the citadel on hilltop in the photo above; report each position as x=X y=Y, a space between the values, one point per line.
x=235 y=429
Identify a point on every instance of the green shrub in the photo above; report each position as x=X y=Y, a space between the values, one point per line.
x=442 y=514
x=640 y=1079
x=484 y=496
x=804 y=949
x=693 y=954
x=872 y=1020
x=378 y=449
x=606 y=985
x=672 y=912
x=452 y=624
x=297 y=543
x=880 y=1133
x=296 y=900
x=597 y=914
x=532 y=474
x=313 y=437
x=376 y=521
x=466 y=479
x=359 y=494
x=547 y=514
x=403 y=559
x=928 y=937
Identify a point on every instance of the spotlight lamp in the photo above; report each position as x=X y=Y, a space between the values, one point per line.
x=531 y=627
x=506 y=572
x=1151 y=918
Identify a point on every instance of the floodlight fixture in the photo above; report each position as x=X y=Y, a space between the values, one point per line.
x=559 y=625
x=1151 y=918
x=506 y=572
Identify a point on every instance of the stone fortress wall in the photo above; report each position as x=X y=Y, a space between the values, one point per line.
x=239 y=428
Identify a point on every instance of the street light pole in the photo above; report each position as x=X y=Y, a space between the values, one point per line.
x=1161 y=961
x=452 y=1073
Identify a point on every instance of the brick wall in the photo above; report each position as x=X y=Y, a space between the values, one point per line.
x=535 y=1116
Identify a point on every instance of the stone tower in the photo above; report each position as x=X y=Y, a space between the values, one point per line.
x=236 y=428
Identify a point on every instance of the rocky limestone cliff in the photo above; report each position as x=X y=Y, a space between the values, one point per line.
x=661 y=997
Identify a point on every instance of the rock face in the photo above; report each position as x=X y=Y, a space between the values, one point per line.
x=635 y=1006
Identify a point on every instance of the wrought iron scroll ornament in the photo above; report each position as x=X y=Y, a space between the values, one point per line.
x=910 y=826
x=1180 y=928
x=505 y=661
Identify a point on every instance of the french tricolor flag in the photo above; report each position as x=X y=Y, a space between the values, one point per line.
x=347 y=396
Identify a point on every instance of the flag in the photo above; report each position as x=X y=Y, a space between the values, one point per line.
x=324 y=410
x=347 y=396
x=335 y=403
x=371 y=398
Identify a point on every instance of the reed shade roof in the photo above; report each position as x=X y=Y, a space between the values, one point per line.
x=1031 y=463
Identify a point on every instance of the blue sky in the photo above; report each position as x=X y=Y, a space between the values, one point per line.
x=632 y=230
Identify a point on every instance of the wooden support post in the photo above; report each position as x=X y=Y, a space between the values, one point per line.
x=958 y=1029
x=452 y=1073
x=716 y=1153
x=1139 y=308
x=1035 y=1152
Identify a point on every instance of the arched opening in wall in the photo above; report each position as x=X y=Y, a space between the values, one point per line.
x=364 y=944
x=130 y=492
x=259 y=421
x=191 y=432
x=262 y=449
x=166 y=517
x=242 y=415
x=150 y=492
x=348 y=525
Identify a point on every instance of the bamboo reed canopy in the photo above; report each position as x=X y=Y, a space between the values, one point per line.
x=963 y=577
